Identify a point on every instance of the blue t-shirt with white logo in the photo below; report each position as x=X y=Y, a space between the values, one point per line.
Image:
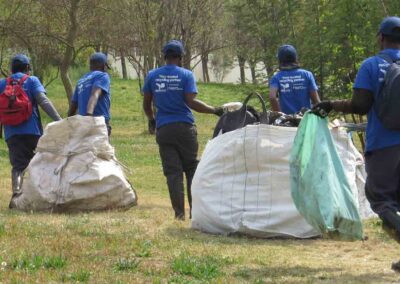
x=370 y=77
x=83 y=91
x=32 y=126
x=294 y=87
x=168 y=86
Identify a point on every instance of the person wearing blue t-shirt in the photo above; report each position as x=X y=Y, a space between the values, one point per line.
x=173 y=91
x=382 y=156
x=92 y=93
x=23 y=138
x=296 y=87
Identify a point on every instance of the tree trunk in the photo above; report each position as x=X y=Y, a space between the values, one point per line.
x=242 y=62
x=69 y=50
x=204 y=66
x=253 y=72
x=66 y=82
x=187 y=58
x=123 y=66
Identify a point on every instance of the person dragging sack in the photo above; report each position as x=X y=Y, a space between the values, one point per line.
x=20 y=96
x=173 y=90
x=295 y=86
x=377 y=80
x=92 y=95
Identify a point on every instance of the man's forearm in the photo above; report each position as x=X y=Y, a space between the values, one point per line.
x=274 y=104
x=48 y=107
x=200 y=106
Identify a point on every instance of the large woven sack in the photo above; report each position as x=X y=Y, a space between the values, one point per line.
x=242 y=183
x=75 y=169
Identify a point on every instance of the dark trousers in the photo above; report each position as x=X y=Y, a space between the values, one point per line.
x=383 y=181
x=178 y=148
x=21 y=150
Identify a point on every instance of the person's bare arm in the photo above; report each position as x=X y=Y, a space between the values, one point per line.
x=198 y=105
x=360 y=103
x=94 y=97
x=273 y=99
x=314 y=97
x=147 y=106
x=47 y=106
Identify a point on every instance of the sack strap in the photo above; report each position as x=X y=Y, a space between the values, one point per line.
x=264 y=108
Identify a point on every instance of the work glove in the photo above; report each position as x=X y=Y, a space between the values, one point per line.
x=322 y=109
x=152 y=126
x=218 y=111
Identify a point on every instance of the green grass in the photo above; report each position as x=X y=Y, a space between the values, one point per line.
x=146 y=245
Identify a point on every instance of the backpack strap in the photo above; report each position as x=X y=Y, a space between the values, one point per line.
x=388 y=59
x=23 y=79
x=10 y=80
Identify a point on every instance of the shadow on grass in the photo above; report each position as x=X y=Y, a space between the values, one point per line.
x=198 y=236
x=296 y=274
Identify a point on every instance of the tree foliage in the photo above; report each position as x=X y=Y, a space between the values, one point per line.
x=332 y=37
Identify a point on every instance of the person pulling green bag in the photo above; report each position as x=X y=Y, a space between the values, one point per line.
x=319 y=186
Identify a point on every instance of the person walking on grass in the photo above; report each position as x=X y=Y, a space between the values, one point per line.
x=92 y=93
x=374 y=83
x=20 y=96
x=296 y=87
x=173 y=90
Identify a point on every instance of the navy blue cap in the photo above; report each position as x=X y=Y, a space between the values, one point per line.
x=20 y=58
x=99 y=58
x=287 y=54
x=173 y=46
x=389 y=25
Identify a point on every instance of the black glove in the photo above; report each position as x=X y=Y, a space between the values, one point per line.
x=152 y=126
x=322 y=109
x=219 y=111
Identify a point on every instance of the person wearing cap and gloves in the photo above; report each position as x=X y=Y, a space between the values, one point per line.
x=173 y=90
x=92 y=93
x=23 y=138
x=296 y=87
x=382 y=156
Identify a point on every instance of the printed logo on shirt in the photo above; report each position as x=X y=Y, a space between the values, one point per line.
x=297 y=82
x=168 y=83
x=284 y=87
x=382 y=71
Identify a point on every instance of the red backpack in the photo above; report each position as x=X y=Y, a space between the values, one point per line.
x=15 y=105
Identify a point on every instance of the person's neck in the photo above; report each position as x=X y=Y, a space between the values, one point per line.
x=391 y=46
x=172 y=62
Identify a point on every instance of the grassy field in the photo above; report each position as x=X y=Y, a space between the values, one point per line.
x=146 y=245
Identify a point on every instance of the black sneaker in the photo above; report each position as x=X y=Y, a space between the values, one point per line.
x=396 y=266
x=391 y=224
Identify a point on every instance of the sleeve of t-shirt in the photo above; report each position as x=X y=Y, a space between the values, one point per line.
x=2 y=85
x=147 y=85
x=103 y=82
x=274 y=82
x=311 y=82
x=190 y=85
x=35 y=86
x=363 y=78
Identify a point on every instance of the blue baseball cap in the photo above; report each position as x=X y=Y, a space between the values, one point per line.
x=287 y=54
x=173 y=46
x=389 y=26
x=99 y=58
x=22 y=58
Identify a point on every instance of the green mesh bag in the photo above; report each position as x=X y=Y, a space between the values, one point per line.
x=320 y=189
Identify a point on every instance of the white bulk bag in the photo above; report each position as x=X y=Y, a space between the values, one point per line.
x=75 y=169
x=242 y=183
